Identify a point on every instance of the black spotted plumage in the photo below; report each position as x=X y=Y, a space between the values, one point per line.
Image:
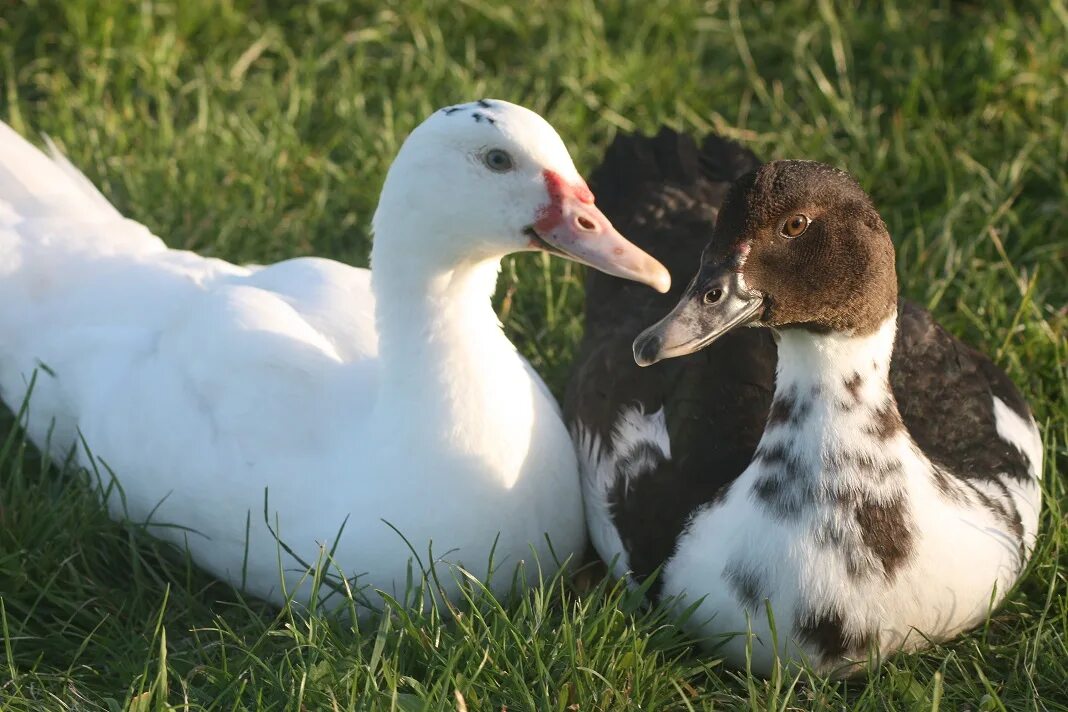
x=663 y=193
x=826 y=632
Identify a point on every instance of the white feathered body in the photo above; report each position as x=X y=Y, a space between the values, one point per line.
x=205 y=387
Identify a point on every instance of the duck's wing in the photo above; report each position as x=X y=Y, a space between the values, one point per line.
x=170 y=365
x=967 y=416
x=657 y=443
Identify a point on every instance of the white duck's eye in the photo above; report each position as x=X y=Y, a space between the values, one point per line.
x=498 y=160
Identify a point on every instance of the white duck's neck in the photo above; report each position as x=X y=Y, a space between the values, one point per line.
x=443 y=356
x=834 y=423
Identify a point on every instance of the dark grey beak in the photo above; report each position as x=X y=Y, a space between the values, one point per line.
x=716 y=301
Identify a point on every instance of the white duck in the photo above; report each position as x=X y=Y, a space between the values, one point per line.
x=309 y=397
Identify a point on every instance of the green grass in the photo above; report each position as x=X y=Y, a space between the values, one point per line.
x=256 y=134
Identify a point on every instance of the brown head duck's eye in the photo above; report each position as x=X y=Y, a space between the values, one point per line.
x=795 y=226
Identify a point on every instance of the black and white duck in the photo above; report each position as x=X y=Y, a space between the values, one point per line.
x=854 y=466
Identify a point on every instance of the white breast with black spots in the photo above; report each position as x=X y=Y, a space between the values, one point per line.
x=843 y=525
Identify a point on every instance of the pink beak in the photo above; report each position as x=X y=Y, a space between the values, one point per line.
x=572 y=226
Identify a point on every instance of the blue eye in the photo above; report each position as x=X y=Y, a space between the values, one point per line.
x=498 y=160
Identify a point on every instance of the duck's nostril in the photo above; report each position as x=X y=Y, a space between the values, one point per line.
x=585 y=223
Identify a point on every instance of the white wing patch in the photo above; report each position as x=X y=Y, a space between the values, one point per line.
x=1021 y=433
x=600 y=468
x=1027 y=495
x=634 y=426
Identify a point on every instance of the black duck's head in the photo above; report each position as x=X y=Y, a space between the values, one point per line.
x=798 y=244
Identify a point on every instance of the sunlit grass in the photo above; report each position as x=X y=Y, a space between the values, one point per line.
x=256 y=134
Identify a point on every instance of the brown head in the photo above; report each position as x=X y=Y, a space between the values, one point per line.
x=798 y=244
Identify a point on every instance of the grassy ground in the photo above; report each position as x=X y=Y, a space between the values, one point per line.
x=255 y=133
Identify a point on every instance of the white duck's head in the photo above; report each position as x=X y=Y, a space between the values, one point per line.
x=480 y=180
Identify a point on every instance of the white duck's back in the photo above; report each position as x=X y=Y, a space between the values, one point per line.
x=236 y=403
x=183 y=374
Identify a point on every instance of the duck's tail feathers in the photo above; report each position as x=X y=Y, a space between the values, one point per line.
x=663 y=193
x=45 y=199
x=34 y=184
x=640 y=173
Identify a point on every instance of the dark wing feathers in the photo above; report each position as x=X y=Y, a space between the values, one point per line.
x=943 y=388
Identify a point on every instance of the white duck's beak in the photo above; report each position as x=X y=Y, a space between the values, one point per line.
x=571 y=225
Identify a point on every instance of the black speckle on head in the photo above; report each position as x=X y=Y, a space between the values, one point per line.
x=746 y=584
x=480 y=117
x=827 y=634
x=886 y=530
x=838 y=275
x=886 y=421
x=450 y=110
x=484 y=103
